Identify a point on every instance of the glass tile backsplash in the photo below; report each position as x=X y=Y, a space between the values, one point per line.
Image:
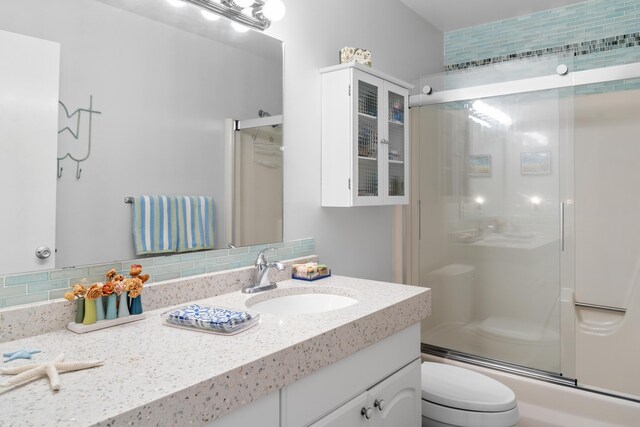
x=47 y=285
x=598 y=33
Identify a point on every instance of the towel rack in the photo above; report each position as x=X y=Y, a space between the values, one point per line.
x=128 y=199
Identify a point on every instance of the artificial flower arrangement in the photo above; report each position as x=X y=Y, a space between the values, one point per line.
x=121 y=295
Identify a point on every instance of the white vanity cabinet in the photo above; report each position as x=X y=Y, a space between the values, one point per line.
x=393 y=402
x=344 y=394
x=365 y=137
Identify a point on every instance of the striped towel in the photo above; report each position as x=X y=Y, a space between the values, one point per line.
x=195 y=223
x=155 y=224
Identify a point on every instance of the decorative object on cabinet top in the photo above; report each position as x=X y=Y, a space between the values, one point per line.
x=355 y=54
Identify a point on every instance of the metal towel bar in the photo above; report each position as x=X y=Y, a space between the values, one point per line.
x=600 y=307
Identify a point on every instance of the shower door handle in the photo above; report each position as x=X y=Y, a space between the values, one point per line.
x=419 y=220
x=562 y=226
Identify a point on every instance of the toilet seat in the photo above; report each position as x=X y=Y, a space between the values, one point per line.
x=462 y=397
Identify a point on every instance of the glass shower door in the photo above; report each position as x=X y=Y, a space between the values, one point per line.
x=490 y=247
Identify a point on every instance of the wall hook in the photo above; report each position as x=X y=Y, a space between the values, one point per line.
x=75 y=133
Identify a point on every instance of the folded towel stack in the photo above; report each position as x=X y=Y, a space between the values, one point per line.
x=212 y=319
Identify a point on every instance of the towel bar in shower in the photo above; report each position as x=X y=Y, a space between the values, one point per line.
x=600 y=307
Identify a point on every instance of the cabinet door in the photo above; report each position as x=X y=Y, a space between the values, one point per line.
x=368 y=165
x=29 y=140
x=348 y=415
x=396 y=400
x=396 y=144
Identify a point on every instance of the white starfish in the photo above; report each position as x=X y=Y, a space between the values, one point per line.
x=26 y=373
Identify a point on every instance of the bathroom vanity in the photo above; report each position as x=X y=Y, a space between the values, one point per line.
x=357 y=365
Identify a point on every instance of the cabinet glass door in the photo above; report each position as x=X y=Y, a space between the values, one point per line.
x=368 y=153
x=396 y=144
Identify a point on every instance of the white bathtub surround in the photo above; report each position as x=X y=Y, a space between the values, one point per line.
x=544 y=404
x=167 y=376
x=28 y=320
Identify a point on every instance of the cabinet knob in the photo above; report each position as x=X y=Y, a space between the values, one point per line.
x=367 y=412
x=43 y=252
x=380 y=404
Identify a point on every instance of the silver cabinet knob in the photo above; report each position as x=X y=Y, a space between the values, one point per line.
x=380 y=404
x=43 y=252
x=367 y=412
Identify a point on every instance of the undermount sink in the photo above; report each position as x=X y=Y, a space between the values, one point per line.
x=299 y=303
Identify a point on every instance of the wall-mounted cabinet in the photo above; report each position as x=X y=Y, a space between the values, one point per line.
x=365 y=137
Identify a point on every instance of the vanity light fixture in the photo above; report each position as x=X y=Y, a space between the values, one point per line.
x=273 y=10
x=256 y=14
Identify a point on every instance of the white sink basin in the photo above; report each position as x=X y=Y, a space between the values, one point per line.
x=305 y=303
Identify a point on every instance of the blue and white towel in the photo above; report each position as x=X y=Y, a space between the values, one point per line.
x=195 y=223
x=155 y=224
x=213 y=318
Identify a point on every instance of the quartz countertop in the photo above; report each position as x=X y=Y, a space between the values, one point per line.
x=161 y=375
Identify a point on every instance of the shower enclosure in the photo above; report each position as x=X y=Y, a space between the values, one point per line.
x=518 y=222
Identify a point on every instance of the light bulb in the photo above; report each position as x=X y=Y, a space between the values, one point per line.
x=209 y=16
x=176 y=3
x=239 y=27
x=247 y=11
x=273 y=10
x=479 y=200
x=244 y=3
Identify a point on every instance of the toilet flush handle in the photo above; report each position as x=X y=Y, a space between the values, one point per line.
x=380 y=404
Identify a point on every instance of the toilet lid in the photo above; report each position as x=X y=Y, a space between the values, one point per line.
x=460 y=388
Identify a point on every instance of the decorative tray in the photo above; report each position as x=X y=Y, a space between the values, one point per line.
x=214 y=320
x=79 y=328
x=312 y=278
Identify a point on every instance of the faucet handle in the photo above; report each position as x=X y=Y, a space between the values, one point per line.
x=261 y=260
x=277 y=265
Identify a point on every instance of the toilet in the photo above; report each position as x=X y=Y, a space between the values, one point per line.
x=453 y=396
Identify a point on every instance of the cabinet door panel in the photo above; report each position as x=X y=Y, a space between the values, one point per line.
x=29 y=135
x=368 y=114
x=400 y=398
x=348 y=415
x=397 y=144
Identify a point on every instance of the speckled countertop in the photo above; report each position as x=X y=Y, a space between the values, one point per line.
x=159 y=375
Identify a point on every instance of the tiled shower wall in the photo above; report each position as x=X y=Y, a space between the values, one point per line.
x=52 y=284
x=598 y=33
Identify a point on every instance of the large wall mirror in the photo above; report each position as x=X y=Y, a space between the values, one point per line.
x=152 y=87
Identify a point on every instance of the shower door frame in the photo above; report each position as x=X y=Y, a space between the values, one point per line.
x=413 y=214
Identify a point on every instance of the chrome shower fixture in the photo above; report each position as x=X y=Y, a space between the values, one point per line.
x=257 y=14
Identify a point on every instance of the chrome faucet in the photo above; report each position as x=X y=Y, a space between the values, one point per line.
x=261 y=280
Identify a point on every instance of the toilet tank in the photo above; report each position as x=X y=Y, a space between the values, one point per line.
x=452 y=295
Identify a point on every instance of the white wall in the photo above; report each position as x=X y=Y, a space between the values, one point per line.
x=353 y=241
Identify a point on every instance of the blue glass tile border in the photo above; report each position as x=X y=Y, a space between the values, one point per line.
x=579 y=49
x=16 y=289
